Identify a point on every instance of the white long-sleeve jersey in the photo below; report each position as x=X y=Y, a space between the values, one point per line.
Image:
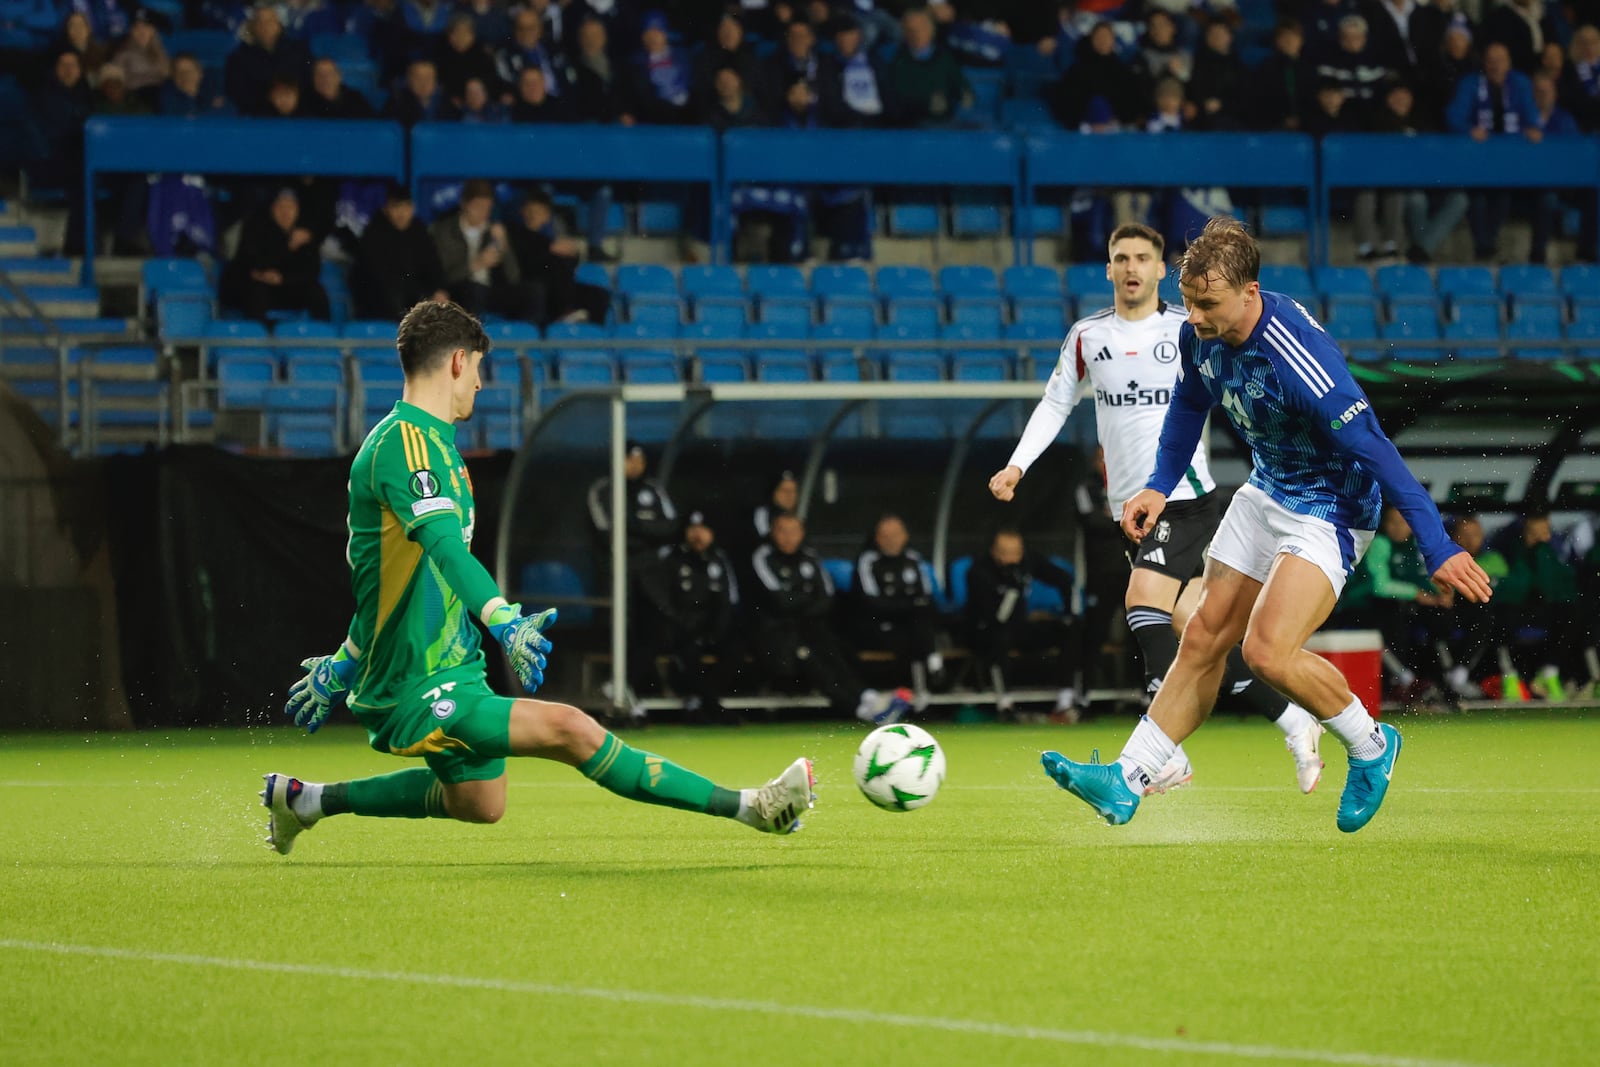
x=1132 y=367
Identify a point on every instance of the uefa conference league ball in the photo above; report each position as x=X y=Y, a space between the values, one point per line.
x=899 y=767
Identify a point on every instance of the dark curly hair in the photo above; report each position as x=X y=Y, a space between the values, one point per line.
x=431 y=331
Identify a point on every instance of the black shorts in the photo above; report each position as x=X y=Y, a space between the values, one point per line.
x=1177 y=545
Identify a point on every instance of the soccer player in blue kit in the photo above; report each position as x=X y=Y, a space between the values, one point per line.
x=1290 y=538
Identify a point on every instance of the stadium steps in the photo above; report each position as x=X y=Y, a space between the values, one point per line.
x=65 y=301
x=18 y=241
x=30 y=270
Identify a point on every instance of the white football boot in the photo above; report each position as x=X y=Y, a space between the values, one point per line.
x=1305 y=747
x=776 y=807
x=283 y=824
x=1174 y=774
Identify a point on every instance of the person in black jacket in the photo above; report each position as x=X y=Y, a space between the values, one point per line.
x=896 y=602
x=396 y=264
x=276 y=267
x=596 y=85
x=999 y=620
x=652 y=521
x=1099 y=72
x=265 y=54
x=1216 y=88
x=552 y=261
x=854 y=88
x=694 y=593
x=793 y=600
x=1279 y=91
x=331 y=98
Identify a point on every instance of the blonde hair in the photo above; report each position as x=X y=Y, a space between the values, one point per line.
x=1224 y=247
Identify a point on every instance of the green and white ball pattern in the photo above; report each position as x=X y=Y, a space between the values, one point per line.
x=899 y=767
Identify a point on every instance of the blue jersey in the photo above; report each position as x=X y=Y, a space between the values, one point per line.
x=1314 y=439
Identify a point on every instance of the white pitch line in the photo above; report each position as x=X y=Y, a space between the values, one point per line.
x=1092 y=1038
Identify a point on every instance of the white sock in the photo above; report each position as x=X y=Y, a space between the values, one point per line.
x=308 y=805
x=1294 y=719
x=746 y=812
x=1359 y=733
x=1179 y=754
x=1146 y=752
x=935 y=662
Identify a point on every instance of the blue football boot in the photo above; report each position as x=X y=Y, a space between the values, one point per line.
x=1366 y=784
x=1099 y=785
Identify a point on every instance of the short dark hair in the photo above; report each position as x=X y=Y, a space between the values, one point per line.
x=431 y=331
x=1226 y=247
x=1137 y=229
x=477 y=189
x=538 y=196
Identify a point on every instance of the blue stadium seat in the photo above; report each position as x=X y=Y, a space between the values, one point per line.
x=369 y=330
x=782 y=366
x=981 y=313
x=777 y=281
x=713 y=286
x=594 y=274
x=853 y=310
x=317 y=366
x=1473 y=330
x=1396 y=333
x=721 y=310
x=664 y=217
x=160 y=277
x=559 y=584
x=780 y=331
x=841 y=361
x=1467 y=285
x=724 y=367
x=305 y=329
x=243 y=377
x=712 y=331
x=183 y=315
x=656 y=309
x=1536 y=320
x=969 y=281
x=1047 y=598
x=1417 y=314
x=1046 y=220
x=1588 y=332
x=976 y=364
x=835 y=280
x=913 y=367
x=902 y=282
x=650 y=369
x=636 y=279
x=1528 y=280
x=646 y=331
x=1482 y=320
x=1043 y=345
x=581 y=368
x=1344 y=281
x=1581 y=281
x=1032 y=283
x=913 y=311
x=974 y=214
x=1027 y=114
x=914 y=218
x=795 y=310
x=1352 y=318
x=375 y=366
x=1525 y=333
x=1089 y=279
x=1404 y=280
x=1292 y=279
x=1047 y=314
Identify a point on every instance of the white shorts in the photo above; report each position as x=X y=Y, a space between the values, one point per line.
x=1256 y=529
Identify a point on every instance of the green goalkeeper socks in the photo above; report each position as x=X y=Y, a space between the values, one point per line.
x=408 y=794
x=629 y=772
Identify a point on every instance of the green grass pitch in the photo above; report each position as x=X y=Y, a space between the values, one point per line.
x=143 y=921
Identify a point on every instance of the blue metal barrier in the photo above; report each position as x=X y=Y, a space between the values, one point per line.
x=448 y=150
x=1453 y=161
x=873 y=157
x=321 y=147
x=1169 y=160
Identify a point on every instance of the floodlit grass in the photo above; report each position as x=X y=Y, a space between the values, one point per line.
x=143 y=922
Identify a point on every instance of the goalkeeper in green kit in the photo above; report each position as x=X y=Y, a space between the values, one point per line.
x=412 y=668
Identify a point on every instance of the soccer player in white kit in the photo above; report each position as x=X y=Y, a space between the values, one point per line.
x=1128 y=353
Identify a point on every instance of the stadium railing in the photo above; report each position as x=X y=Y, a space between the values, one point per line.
x=320 y=147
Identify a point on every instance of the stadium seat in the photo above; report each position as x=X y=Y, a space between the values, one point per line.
x=913 y=367
x=1482 y=320
x=646 y=331
x=976 y=215
x=720 y=310
x=1089 y=280
x=981 y=313
x=1049 y=314
x=794 y=310
x=650 y=369
x=1396 y=333
x=160 y=277
x=1352 y=318
x=698 y=281
x=1538 y=319
x=243 y=377
x=305 y=329
x=777 y=281
x=914 y=218
x=836 y=280
x=638 y=279
x=853 y=311
x=1418 y=314
x=781 y=366
x=1538 y=323
x=594 y=274
x=1401 y=280
x=1292 y=279
x=903 y=282
x=959 y=282
x=655 y=309
x=183 y=315
x=1527 y=281
x=368 y=330
x=723 y=367
x=913 y=312
x=559 y=585
x=306 y=367
x=1027 y=283
x=712 y=331
x=1474 y=329
x=781 y=331
x=1343 y=281
x=659 y=217
x=842 y=572
x=585 y=368
x=976 y=364
x=1467 y=285
x=1027 y=114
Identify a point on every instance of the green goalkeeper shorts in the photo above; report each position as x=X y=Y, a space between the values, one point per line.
x=453 y=720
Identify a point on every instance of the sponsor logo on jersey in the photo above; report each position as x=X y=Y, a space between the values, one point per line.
x=1349 y=413
x=443 y=709
x=1165 y=352
x=1134 y=396
x=430 y=505
x=424 y=484
x=1254 y=390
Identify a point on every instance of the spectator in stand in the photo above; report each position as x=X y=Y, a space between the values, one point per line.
x=1355 y=68
x=551 y=261
x=1550 y=206
x=1099 y=73
x=924 y=78
x=728 y=49
x=143 y=58
x=533 y=101
x=1443 y=72
x=263 y=54
x=895 y=603
x=61 y=106
x=113 y=97
x=396 y=264
x=460 y=57
x=731 y=106
x=1001 y=624
x=1391 y=590
x=304 y=19
x=1216 y=87
x=109 y=18
x=77 y=36
x=283 y=99
x=794 y=642
x=380 y=24
x=490 y=22
x=427 y=20
x=660 y=80
x=798 y=58
x=276 y=266
x=1279 y=90
x=1164 y=55
x=480 y=269
x=1553 y=61
x=651 y=519
x=477 y=105
x=1321 y=21
x=1428 y=216
x=527 y=48
x=420 y=99
x=1474 y=630
x=784 y=497
x=855 y=87
x=1332 y=111
x=1389 y=27
x=1580 y=89
x=331 y=98
x=1498 y=101
x=595 y=87
x=1428 y=23
x=1522 y=26
x=695 y=595
x=183 y=95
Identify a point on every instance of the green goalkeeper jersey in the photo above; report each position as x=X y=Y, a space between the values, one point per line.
x=409 y=624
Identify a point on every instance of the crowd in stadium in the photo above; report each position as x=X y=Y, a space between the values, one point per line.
x=1523 y=68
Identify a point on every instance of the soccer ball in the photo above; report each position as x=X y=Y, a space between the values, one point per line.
x=899 y=767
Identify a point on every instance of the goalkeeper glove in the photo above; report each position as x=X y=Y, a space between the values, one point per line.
x=311 y=699
x=525 y=645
